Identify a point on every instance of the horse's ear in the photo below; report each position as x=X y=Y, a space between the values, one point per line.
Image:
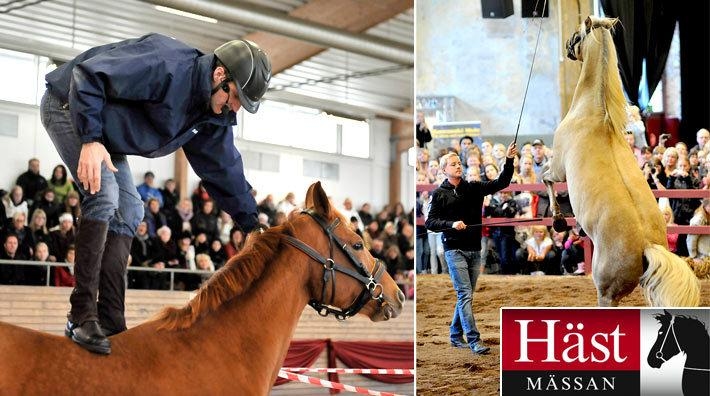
x=666 y=313
x=320 y=201
x=309 y=195
x=588 y=24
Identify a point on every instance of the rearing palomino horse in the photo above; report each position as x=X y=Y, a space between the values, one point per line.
x=609 y=195
x=232 y=338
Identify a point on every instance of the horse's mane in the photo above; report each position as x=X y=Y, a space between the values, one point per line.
x=695 y=326
x=233 y=280
x=613 y=102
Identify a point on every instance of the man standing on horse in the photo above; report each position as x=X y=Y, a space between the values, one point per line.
x=455 y=210
x=147 y=96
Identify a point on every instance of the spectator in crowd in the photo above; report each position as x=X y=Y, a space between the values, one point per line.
x=11 y=274
x=635 y=125
x=539 y=157
x=224 y=225
x=147 y=189
x=405 y=243
x=490 y=172
x=683 y=208
x=60 y=184
x=536 y=257
x=14 y=202
x=31 y=181
x=264 y=220
x=672 y=238
x=423 y=134
x=203 y=262
x=36 y=275
x=365 y=213
x=202 y=243
x=199 y=197
x=236 y=242
x=393 y=261
x=486 y=148
x=267 y=206
x=378 y=249
x=154 y=217
x=171 y=198
x=64 y=276
x=698 y=245
x=23 y=233
x=456 y=209
x=503 y=205
x=287 y=204
x=348 y=211
x=572 y=258
x=629 y=136
x=702 y=137
x=205 y=221
x=48 y=203
x=72 y=205
x=682 y=150
x=39 y=231
x=558 y=246
x=185 y=214
x=670 y=161
x=218 y=254
x=164 y=255
x=499 y=155
x=63 y=236
x=141 y=250
x=280 y=218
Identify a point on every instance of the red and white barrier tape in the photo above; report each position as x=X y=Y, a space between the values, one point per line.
x=349 y=370
x=329 y=384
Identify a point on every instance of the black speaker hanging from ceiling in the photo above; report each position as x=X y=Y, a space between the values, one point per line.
x=528 y=9
x=496 y=8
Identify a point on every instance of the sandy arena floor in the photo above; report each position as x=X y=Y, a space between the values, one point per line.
x=442 y=370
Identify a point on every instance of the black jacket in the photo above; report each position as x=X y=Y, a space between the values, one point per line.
x=463 y=203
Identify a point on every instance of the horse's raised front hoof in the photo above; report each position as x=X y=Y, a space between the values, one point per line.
x=560 y=224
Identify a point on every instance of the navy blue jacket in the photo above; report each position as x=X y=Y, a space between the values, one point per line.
x=464 y=202
x=150 y=96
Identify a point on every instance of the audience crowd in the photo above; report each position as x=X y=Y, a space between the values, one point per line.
x=539 y=250
x=39 y=218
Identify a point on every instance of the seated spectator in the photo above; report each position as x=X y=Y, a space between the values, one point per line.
x=64 y=276
x=23 y=233
x=147 y=191
x=699 y=245
x=171 y=197
x=405 y=243
x=72 y=205
x=558 y=246
x=205 y=221
x=572 y=260
x=503 y=205
x=199 y=197
x=224 y=225
x=203 y=262
x=217 y=254
x=279 y=219
x=365 y=213
x=31 y=181
x=236 y=242
x=287 y=204
x=267 y=206
x=36 y=275
x=393 y=261
x=185 y=214
x=536 y=256
x=154 y=217
x=164 y=255
x=39 y=231
x=670 y=221
x=14 y=202
x=349 y=212
x=47 y=202
x=60 y=184
x=378 y=249
x=11 y=274
x=63 y=236
x=683 y=208
x=264 y=220
x=202 y=243
x=141 y=250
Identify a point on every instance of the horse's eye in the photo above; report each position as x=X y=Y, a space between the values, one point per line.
x=357 y=246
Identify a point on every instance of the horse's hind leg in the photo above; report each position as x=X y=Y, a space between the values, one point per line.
x=559 y=223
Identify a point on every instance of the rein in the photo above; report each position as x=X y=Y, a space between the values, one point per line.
x=372 y=289
x=659 y=353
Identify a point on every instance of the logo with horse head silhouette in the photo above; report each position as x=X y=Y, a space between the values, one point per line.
x=683 y=335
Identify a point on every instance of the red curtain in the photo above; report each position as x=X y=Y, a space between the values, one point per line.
x=302 y=353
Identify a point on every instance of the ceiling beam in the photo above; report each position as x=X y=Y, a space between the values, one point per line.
x=275 y=22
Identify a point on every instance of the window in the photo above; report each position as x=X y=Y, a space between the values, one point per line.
x=22 y=78
x=307 y=128
x=321 y=170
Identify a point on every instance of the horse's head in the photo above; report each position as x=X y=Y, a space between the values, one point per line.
x=666 y=345
x=347 y=279
x=574 y=44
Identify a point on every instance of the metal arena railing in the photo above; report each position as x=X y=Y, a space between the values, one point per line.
x=49 y=265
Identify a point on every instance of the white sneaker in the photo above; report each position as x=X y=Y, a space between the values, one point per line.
x=537 y=273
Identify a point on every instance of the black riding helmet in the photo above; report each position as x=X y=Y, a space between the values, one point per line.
x=249 y=67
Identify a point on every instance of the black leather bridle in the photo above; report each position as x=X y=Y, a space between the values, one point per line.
x=372 y=288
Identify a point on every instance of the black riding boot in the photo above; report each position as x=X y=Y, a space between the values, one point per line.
x=112 y=284
x=90 y=242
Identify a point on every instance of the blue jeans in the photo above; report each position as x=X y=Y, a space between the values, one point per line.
x=464 y=267
x=117 y=202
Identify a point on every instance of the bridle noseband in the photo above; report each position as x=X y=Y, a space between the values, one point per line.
x=659 y=353
x=369 y=280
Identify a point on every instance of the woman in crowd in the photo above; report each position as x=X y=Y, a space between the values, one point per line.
x=236 y=242
x=72 y=205
x=699 y=244
x=39 y=230
x=64 y=276
x=537 y=255
x=60 y=184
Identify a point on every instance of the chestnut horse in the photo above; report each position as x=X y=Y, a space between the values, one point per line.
x=609 y=194
x=232 y=338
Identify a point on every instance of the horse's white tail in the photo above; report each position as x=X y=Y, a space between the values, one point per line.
x=669 y=281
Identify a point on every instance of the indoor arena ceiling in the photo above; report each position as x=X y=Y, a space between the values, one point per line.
x=352 y=57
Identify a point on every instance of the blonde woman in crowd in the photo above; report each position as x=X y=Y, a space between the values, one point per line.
x=699 y=244
x=670 y=221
